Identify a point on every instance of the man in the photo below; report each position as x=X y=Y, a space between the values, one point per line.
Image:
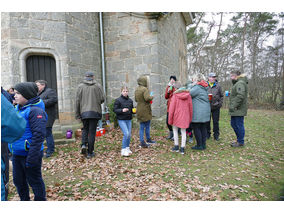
x=216 y=103
x=89 y=97
x=12 y=128
x=238 y=106
x=50 y=100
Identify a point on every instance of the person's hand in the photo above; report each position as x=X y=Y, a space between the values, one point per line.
x=125 y=110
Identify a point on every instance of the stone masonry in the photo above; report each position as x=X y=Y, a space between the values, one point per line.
x=135 y=45
x=71 y=38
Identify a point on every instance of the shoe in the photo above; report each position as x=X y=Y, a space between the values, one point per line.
x=124 y=152
x=181 y=150
x=48 y=155
x=175 y=149
x=171 y=135
x=83 y=149
x=151 y=142
x=144 y=145
x=197 y=147
x=216 y=138
x=237 y=145
x=190 y=140
x=91 y=155
x=128 y=149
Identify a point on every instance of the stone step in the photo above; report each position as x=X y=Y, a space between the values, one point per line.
x=58 y=135
x=62 y=141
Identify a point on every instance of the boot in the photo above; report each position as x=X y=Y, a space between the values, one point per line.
x=171 y=135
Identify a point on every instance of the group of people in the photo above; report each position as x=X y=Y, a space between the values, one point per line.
x=189 y=110
x=23 y=130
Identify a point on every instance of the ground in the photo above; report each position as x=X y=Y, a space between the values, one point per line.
x=253 y=172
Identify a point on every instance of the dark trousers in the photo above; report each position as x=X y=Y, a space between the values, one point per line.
x=89 y=133
x=23 y=177
x=189 y=130
x=237 y=123
x=169 y=126
x=200 y=133
x=49 y=140
x=215 y=114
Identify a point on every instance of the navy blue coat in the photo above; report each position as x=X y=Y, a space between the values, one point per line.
x=31 y=143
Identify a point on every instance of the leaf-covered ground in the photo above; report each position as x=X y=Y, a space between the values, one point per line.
x=254 y=172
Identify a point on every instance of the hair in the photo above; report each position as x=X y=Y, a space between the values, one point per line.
x=199 y=77
x=124 y=87
x=236 y=72
x=42 y=82
x=173 y=77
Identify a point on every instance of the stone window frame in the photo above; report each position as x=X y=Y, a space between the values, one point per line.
x=25 y=53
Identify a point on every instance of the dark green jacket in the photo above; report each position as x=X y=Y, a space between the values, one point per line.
x=238 y=97
x=143 y=98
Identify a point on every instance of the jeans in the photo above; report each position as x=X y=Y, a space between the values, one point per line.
x=215 y=114
x=125 y=126
x=146 y=126
x=23 y=177
x=200 y=133
x=49 y=140
x=89 y=133
x=237 y=123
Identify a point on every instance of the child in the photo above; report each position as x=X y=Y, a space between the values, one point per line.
x=144 y=111
x=28 y=150
x=180 y=115
x=123 y=108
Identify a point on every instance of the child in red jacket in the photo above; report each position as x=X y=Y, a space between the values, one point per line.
x=180 y=116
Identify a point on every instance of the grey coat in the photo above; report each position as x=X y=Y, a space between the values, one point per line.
x=201 y=104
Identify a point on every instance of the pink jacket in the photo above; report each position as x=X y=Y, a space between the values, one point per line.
x=180 y=112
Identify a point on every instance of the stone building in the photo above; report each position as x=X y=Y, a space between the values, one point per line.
x=61 y=47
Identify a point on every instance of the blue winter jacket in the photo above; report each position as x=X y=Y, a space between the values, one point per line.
x=31 y=143
x=12 y=128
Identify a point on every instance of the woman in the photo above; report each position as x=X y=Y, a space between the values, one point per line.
x=180 y=115
x=144 y=111
x=123 y=109
x=201 y=110
x=170 y=89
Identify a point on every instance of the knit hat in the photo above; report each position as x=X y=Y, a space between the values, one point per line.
x=173 y=77
x=27 y=89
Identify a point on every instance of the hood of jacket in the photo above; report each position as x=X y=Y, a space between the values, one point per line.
x=183 y=95
x=203 y=83
x=241 y=77
x=142 y=81
x=92 y=82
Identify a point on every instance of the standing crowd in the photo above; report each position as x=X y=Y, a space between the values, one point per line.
x=25 y=126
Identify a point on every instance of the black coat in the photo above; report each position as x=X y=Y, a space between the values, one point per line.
x=217 y=96
x=50 y=100
x=119 y=104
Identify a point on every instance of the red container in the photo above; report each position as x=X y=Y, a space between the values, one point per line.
x=101 y=132
x=210 y=97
